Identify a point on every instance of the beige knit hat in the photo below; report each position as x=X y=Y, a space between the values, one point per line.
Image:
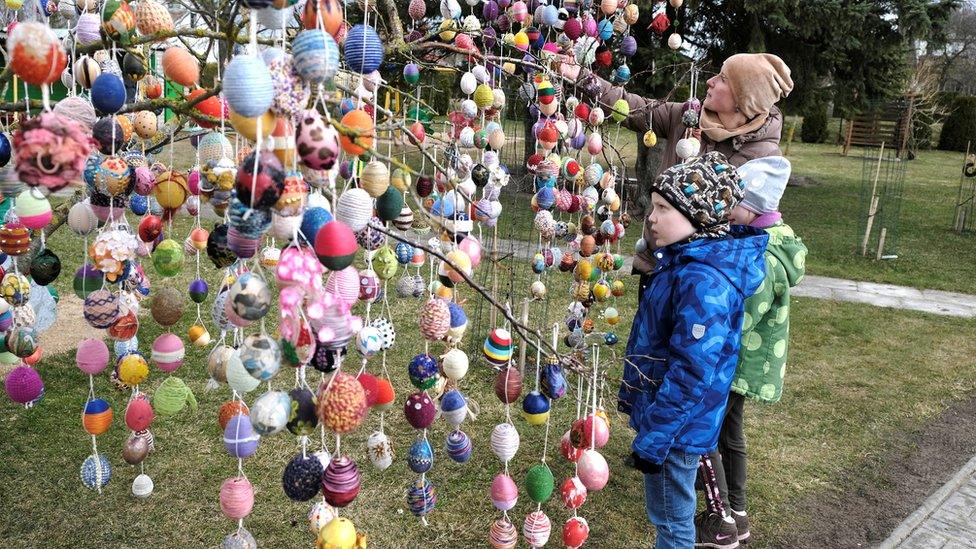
x=758 y=81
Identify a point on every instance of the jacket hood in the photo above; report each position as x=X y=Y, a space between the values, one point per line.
x=786 y=247
x=738 y=256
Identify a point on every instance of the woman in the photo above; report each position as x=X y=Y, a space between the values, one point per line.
x=740 y=120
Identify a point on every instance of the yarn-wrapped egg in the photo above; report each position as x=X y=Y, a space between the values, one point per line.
x=240 y=439
x=454 y=407
x=247 y=85
x=303 y=418
x=508 y=384
x=421 y=497
x=168 y=352
x=302 y=477
x=593 y=470
x=341 y=403
x=573 y=492
x=423 y=371
x=575 y=532
x=97 y=417
x=454 y=364
x=503 y=534
x=498 y=347
x=335 y=245
x=435 y=319
x=361 y=122
x=458 y=446
x=420 y=458
x=142 y=486
x=92 y=356
x=270 y=412
x=33 y=209
x=236 y=497
x=344 y=283
x=536 y=529
x=341 y=482
x=132 y=369
x=363 y=50
x=354 y=208
x=504 y=493
x=96 y=472
x=504 y=441
x=315 y=55
x=380 y=450
x=535 y=408
x=420 y=410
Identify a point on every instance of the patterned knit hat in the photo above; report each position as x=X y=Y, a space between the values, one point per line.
x=704 y=189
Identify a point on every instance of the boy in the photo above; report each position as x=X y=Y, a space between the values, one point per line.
x=762 y=356
x=684 y=342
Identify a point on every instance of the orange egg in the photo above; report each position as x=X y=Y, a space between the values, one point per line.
x=126 y=124
x=180 y=66
x=329 y=10
x=283 y=143
x=362 y=122
x=152 y=87
x=210 y=106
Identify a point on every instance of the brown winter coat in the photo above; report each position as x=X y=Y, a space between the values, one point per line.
x=665 y=120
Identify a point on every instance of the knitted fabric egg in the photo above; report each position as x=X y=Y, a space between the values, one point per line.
x=504 y=441
x=240 y=440
x=315 y=55
x=270 y=412
x=96 y=472
x=23 y=385
x=420 y=459
x=152 y=17
x=302 y=477
x=101 y=308
x=435 y=320
x=247 y=85
x=420 y=410
x=341 y=403
x=458 y=446
x=236 y=497
x=503 y=534
x=536 y=529
x=341 y=482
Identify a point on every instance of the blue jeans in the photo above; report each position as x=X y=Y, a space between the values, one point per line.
x=669 y=497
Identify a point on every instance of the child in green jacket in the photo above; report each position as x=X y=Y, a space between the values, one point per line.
x=765 y=340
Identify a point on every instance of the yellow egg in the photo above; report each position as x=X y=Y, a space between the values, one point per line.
x=601 y=290
x=339 y=533
x=448 y=30
x=583 y=270
x=133 y=369
x=248 y=127
x=650 y=139
x=198 y=335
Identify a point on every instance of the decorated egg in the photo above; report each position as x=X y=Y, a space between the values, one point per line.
x=341 y=403
x=341 y=483
x=419 y=410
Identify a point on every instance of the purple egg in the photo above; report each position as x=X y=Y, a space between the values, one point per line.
x=504 y=23
x=195 y=139
x=490 y=10
x=578 y=141
x=240 y=440
x=503 y=4
x=198 y=290
x=345 y=169
x=628 y=46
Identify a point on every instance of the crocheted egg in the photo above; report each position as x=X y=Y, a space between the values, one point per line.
x=303 y=419
x=247 y=85
x=498 y=347
x=249 y=297
x=152 y=17
x=132 y=369
x=361 y=122
x=423 y=371
x=315 y=55
x=101 y=308
x=96 y=472
x=380 y=450
x=236 y=497
x=302 y=477
x=36 y=55
x=420 y=459
x=593 y=470
x=168 y=352
x=335 y=245
x=341 y=482
x=142 y=486
x=270 y=412
x=362 y=49
x=458 y=446
x=240 y=440
x=508 y=385
x=503 y=534
x=419 y=410
x=139 y=413
x=341 y=403
x=97 y=417
x=92 y=356
x=536 y=529
x=454 y=407
x=24 y=385
x=504 y=493
x=435 y=319
x=504 y=441
x=535 y=408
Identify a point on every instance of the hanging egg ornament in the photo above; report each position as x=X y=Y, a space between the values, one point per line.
x=536 y=529
x=380 y=450
x=247 y=86
x=458 y=446
x=341 y=482
x=419 y=410
x=36 y=55
x=504 y=441
x=341 y=403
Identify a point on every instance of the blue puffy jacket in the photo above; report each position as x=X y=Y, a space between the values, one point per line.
x=684 y=343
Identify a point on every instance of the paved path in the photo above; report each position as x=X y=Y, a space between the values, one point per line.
x=947 y=519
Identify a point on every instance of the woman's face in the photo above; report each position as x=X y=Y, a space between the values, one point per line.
x=718 y=97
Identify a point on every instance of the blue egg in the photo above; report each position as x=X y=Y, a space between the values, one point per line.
x=452 y=400
x=5 y=150
x=138 y=204
x=312 y=221
x=404 y=252
x=605 y=29
x=421 y=456
x=535 y=403
x=346 y=105
x=458 y=316
x=108 y=93
x=126 y=347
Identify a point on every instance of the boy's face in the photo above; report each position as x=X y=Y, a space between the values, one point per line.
x=668 y=225
x=741 y=216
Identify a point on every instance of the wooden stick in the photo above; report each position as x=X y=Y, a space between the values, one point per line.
x=881 y=242
x=873 y=209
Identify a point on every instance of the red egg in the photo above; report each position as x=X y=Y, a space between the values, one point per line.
x=573 y=492
x=150 y=228
x=508 y=385
x=369 y=383
x=575 y=532
x=211 y=106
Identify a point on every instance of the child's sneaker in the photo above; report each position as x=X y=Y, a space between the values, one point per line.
x=712 y=530
x=742 y=525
